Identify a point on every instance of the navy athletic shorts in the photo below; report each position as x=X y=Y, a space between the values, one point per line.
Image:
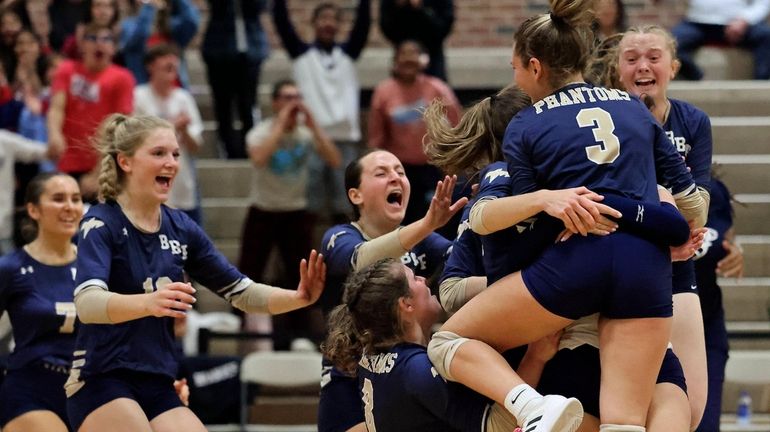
x=154 y=393
x=577 y=373
x=39 y=386
x=683 y=279
x=619 y=275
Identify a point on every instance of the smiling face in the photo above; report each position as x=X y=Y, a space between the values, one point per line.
x=646 y=65
x=150 y=171
x=409 y=61
x=425 y=307
x=59 y=208
x=383 y=190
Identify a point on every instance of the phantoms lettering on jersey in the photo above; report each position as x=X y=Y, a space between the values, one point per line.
x=579 y=95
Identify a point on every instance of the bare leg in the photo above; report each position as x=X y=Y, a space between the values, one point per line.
x=670 y=410
x=503 y=316
x=36 y=421
x=119 y=415
x=177 y=419
x=590 y=424
x=631 y=352
x=688 y=339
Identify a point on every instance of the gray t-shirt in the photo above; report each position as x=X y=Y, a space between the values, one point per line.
x=281 y=184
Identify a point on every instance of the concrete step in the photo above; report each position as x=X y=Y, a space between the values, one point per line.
x=744 y=174
x=756 y=255
x=725 y=98
x=741 y=135
x=221 y=178
x=746 y=299
x=752 y=212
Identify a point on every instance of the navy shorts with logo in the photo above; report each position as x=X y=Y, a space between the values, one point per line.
x=154 y=393
x=683 y=279
x=619 y=275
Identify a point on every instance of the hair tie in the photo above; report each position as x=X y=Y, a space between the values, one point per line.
x=556 y=18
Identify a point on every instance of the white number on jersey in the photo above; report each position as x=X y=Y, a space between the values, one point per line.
x=368 y=398
x=67 y=310
x=159 y=284
x=603 y=127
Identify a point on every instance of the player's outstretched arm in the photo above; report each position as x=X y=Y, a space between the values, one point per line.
x=265 y=298
x=440 y=211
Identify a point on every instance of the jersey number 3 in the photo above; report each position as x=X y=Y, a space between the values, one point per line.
x=368 y=397
x=603 y=127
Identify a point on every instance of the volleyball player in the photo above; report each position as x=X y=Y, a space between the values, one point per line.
x=133 y=254
x=378 y=191
x=36 y=284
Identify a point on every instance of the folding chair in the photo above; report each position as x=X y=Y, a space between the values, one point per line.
x=283 y=369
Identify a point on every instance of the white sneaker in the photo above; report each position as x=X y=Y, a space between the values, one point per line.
x=555 y=414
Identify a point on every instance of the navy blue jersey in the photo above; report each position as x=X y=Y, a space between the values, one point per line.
x=689 y=130
x=38 y=299
x=466 y=257
x=509 y=250
x=114 y=255
x=340 y=248
x=402 y=392
x=589 y=136
x=514 y=248
x=711 y=252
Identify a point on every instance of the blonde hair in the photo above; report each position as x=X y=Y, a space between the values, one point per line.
x=560 y=40
x=476 y=141
x=603 y=66
x=120 y=133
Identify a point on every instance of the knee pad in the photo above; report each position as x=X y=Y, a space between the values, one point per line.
x=442 y=349
x=621 y=428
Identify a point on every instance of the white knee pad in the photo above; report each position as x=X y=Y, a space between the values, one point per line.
x=442 y=349
x=621 y=428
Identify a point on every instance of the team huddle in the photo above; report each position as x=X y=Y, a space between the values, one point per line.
x=565 y=310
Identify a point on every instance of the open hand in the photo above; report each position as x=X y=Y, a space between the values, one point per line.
x=441 y=207
x=312 y=278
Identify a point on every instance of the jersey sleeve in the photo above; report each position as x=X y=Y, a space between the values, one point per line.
x=495 y=181
x=437 y=248
x=661 y=224
x=699 y=158
x=94 y=259
x=518 y=156
x=340 y=247
x=669 y=167
x=465 y=259
x=205 y=264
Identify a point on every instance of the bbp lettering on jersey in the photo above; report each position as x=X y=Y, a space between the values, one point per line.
x=176 y=247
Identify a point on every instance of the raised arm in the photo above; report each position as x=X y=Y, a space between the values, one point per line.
x=291 y=41
x=360 y=32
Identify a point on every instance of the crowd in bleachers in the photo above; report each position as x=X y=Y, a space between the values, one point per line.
x=63 y=73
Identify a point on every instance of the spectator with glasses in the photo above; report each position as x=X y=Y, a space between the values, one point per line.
x=85 y=92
